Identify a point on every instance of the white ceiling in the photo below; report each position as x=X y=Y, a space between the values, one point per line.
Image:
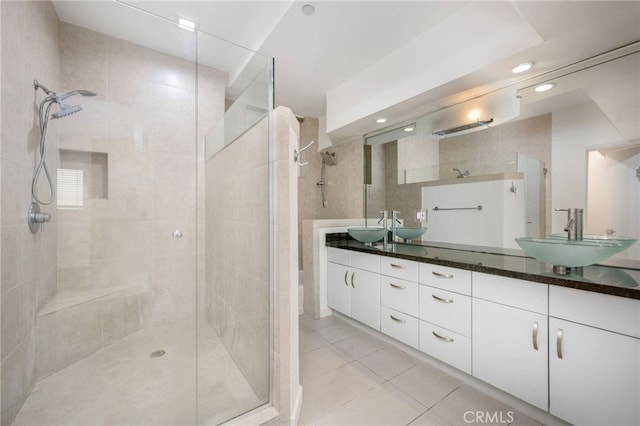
x=315 y=54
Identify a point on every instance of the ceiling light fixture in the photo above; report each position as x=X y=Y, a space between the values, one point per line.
x=186 y=24
x=474 y=114
x=408 y=129
x=381 y=120
x=464 y=127
x=308 y=9
x=525 y=66
x=544 y=87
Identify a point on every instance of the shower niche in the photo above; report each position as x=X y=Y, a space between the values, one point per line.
x=82 y=175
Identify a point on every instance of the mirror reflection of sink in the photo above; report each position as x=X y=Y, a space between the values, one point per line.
x=409 y=233
x=367 y=235
x=562 y=252
x=625 y=241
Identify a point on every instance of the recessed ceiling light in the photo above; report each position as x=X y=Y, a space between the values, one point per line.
x=525 y=66
x=186 y=24
x=308 y=9
x=544 y=87
x=381 y=120
x=408 y=129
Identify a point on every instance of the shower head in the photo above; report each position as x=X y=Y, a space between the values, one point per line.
x=66 y=110
x=328 y=158
x=62 y=97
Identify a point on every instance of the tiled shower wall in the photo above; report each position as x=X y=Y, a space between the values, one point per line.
x=144 y=120
x=238 y=266
x=29 y=51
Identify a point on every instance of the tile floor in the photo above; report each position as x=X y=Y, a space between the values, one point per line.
x=122 y=385
x=352 y=378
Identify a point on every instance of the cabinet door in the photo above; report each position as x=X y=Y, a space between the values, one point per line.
x=510 y=350
x=365 y=297
x=338 y=288
x=597 y=380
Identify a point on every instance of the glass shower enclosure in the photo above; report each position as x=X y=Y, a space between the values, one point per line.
x=157 y=310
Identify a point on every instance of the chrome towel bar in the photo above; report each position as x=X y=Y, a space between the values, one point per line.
x=437 y=209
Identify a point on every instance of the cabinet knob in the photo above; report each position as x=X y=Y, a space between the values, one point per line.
x=438 y=274
x=534 y=335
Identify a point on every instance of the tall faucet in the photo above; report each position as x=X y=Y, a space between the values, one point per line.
x=574 y=226
x=383 y=220
x=394 y=220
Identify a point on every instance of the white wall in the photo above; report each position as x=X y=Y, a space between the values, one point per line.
x=501 y=219
x=575 y=131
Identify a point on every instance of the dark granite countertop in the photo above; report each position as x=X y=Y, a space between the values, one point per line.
x=607 y=279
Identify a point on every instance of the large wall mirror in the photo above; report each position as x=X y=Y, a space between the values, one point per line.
x=519 y=153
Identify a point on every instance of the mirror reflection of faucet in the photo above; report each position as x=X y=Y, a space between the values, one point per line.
x=574 y=226
x=462 y=174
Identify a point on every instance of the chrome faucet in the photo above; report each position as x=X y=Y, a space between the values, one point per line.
x=574 y=226
x=394 y=220
x=462 y=174
x=383 y=220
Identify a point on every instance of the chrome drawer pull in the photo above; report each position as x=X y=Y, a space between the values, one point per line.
x=401 y=287
x=395 y=265
x=352 y=275
x=446 y=339
x=440 y=299
x=438 y=274
x=534 y=336
x=345 y=278
x=559 y=343
x=397 y=319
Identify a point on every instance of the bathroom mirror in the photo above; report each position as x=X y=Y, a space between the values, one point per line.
x=588 y=123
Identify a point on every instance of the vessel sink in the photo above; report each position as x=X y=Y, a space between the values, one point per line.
x=408 y=233
x=625 y=241
x=367 y=235
x=563 y=252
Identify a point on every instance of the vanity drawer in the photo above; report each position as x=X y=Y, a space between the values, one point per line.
x=338 y=256
x=446 y=278
x=368 y=262
x=400 y=326
x=521 y=294
x=446 y=309
x=613 y=313
x=399 y=295
x=445 y=345
x=399 y=268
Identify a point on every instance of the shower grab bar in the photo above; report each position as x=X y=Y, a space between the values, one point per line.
x=297 y=155
x=438 y=209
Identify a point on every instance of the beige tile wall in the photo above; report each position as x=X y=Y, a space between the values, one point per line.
x=29 y=37
x=144 y=120
x=344 y=181
x=237 y=256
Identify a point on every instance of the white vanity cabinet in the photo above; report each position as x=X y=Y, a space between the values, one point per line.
x=399 y=298
x=353 y=285
x=445 y=314
x=510 y=342
x=594 y=358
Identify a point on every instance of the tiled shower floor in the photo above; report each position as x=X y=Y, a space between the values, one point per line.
x=122 y=385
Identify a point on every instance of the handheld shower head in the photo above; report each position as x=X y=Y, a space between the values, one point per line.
x=66 y=110
x=62 y=97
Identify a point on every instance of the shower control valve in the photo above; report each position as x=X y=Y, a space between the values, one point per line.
x=37 y=218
